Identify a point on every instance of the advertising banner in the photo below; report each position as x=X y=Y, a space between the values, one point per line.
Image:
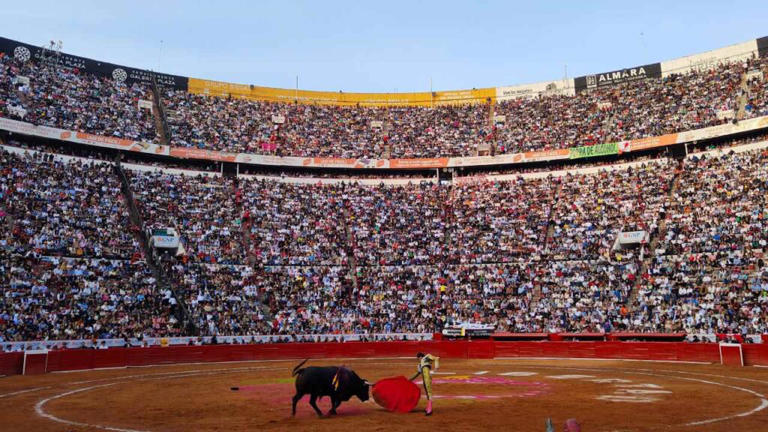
x=25 y=128
x=165 y=242
x=191 y=153
x=723 y=130
x=328 y=162
x=510 y=158
x=25 y=52
x=425 y=99
x=650 y=142
x=762 y=46
x=419 y=163
x=633 y=237
x=710 y=59
x=529 y=91
x=620 y=76
x=594 y=150
x=460 y=97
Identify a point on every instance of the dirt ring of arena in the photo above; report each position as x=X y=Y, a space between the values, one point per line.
x=508 y=394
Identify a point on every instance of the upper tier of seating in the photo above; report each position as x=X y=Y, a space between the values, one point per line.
x=636 y=109
x=74 y=100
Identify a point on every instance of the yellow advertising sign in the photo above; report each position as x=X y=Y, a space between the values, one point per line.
x=217 y=88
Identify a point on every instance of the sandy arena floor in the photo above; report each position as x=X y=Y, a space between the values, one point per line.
x=476 y=395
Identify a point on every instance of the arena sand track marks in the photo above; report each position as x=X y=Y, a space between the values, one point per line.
x=197 y=397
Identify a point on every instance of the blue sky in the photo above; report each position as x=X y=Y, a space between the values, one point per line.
x=385 y=46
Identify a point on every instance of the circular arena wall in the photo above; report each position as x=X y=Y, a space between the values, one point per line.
x=468 y=394
x=80 y=359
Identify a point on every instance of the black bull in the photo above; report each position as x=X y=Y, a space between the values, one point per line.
x=339 y=383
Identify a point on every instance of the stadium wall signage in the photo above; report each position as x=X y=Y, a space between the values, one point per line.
x=529 y=91
x=129 y=75
x=25 y=128
x=594 y=150
x=633 y=237
x=425 y=99
x=702 y=61
x=762 y=46
x=620 y=76
x=710 y=59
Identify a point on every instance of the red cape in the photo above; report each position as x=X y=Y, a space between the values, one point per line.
x=396 y=394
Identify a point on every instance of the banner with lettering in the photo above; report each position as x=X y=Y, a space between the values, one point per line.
x=620 y=76
x=762 y=46
x=594 y=150
x=24 y=52
x=425 y=99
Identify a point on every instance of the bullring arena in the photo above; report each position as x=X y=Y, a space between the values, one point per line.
x=501 y=393
x=585 y=254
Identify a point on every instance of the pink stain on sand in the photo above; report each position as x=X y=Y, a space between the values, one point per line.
x=486 y=381
x=531 y=388
x=280 y=393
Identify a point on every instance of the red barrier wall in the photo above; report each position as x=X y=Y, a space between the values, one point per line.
x=11 y=363
x=672 y=351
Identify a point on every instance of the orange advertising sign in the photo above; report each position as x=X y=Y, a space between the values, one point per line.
x=190 y=153
x=652 y=142
x=545 y=155
x=419 y=163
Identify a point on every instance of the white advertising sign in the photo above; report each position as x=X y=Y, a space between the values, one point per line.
x=528 y=91
x=709 y=59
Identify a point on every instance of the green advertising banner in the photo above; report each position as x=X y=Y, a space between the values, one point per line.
x=595 y=150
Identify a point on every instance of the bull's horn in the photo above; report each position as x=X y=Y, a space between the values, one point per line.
x=366 y=382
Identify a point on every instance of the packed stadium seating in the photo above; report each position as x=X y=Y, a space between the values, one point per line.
x=757 y=89
x=265 y=257
x=70 y=264
x=637 y=109
x=535 y=253
x=591 y=209
x=64 y=208
x=74 y=100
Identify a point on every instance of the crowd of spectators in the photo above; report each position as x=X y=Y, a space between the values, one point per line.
x=708 y=272
x=499 y=221
x=294 y=224
x=201 y=208
x=649 y=107
x=699 y=294
x=243 y=125
x=68 y=98
x=70 y=264
x=592 y=209
x=719 y=207
x=637 y=109
x=757 y=89
x=429 y=254
x=586 y=296
x=266 y=257
x=81 y=298
x=59 y=207
x=398 y=225
x=71 y=99
x=223 y=298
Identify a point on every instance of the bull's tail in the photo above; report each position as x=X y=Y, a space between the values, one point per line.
x=296 y=369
